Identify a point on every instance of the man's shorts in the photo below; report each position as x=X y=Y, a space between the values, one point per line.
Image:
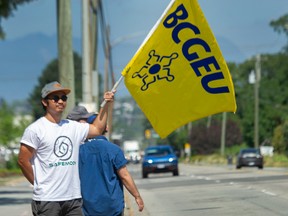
x=57 y=208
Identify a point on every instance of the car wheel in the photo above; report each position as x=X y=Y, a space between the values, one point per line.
x=176 y=173
x=144 y=175
x=238 y=167
x=260 y=167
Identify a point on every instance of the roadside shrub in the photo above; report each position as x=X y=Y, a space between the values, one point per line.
x=12 y=163
x=206 y=139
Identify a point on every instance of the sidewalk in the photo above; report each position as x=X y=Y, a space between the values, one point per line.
x=12 y=180
x=131 y=208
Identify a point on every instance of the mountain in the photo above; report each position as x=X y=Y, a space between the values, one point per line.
x=22 y=62
x=23 y=59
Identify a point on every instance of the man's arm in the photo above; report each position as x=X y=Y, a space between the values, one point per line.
x=24 y=160
x=99 y=124
x=129 y=183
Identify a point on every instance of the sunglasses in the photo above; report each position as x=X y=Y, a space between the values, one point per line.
x=56 y=98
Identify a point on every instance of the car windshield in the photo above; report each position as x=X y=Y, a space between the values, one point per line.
x=248 y=151
x=158 y=151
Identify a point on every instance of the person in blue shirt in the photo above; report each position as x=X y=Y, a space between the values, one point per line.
x=103 y=172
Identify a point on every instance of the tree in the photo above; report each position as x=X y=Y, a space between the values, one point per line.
x=127 y=119
x=281 y=26
x=207 y=139
x=49 y=74
x=178 y=138
x=6 y=10
x=273 y=94
x=10 y=130
x=6 y=125
x=279 y=140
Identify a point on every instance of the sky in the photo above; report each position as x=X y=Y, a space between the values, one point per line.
x=244 y=24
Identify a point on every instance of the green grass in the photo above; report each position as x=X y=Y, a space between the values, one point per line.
x=276 y=160
x=8 y=176
x=7 y=172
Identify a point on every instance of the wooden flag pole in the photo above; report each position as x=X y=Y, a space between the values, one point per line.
x=113 y=89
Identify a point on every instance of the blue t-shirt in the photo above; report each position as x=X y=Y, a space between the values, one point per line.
x=101 y=188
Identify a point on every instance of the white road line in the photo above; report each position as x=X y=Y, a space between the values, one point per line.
x=269 y=193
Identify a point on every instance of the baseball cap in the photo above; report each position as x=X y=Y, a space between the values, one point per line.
x=80 y=112
x=53 y=87
x=91 y=119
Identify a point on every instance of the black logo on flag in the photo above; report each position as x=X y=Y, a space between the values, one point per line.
x=157 y=68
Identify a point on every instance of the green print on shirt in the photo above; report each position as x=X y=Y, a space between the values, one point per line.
x=67 y=163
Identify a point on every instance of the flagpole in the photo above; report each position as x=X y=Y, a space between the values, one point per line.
x=113 y=89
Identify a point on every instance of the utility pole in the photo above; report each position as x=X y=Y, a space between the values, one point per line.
x=254 y=78
x=256 y=86
x=86 y=60
x=107 y=59
x=65 y=50
x=86 y=79
x=223 y=133
x=94 y=47
x=106 y=80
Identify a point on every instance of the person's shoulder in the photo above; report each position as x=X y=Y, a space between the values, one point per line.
x=73 y=123
x=68 y=121
x=114 y=146
x=107 y=142
x=101 y=137
x=36 y=123
x=102 y=140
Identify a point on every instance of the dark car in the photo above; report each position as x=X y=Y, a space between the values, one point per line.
x=159 y=159
x=250 y=157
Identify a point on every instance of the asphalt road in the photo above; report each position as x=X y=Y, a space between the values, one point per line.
x=213 y=190
x=15 y=197
x=199 y=190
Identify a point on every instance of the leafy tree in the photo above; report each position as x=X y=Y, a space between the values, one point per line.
x=128 y=118
x=281 y=26
x=6 y=10
x=9 y=129
x=6 y=125
x=178 y=138
x=278 y=139
x=273 y=95
x=49 y=74
x=207 y=139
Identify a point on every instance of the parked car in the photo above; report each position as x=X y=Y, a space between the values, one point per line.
x=250 y=157
x=159 y=159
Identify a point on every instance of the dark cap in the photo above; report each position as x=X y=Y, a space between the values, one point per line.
x=91 y=119
x=80 y=112
x=53 y=87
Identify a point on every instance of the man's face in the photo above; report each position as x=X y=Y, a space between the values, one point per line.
x=56 y=102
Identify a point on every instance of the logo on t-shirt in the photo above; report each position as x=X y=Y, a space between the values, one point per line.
x=63 y=148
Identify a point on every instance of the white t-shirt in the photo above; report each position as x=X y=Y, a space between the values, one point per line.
x=55 y=163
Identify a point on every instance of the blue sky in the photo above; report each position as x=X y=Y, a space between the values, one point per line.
x=245 y=24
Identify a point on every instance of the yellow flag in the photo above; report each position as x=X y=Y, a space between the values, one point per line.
x=178 y=74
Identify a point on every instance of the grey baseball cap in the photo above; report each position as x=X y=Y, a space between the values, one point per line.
x=53 y=87
x=80 y=112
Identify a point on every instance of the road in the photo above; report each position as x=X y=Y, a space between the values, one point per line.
x=199 y=190
x=214 y=190
x=15 y=198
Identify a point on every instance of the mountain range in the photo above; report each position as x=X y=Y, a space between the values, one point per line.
x=23 y=60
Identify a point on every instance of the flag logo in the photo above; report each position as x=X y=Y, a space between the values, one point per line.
x=178 y=74
x=156 y=68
